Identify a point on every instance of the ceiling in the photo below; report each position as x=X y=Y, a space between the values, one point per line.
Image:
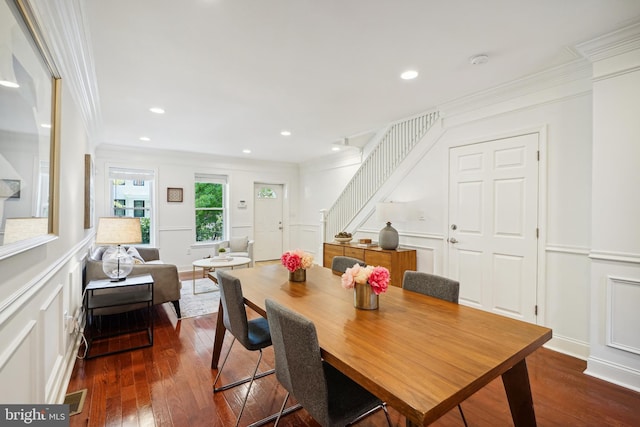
x=232 y=74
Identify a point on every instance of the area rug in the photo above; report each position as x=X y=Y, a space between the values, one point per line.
x=201 y=303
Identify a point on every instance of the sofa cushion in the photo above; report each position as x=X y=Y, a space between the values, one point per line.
x=238 y=244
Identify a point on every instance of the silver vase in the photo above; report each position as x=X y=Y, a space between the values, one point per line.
x=364 y=298
x=300 y=275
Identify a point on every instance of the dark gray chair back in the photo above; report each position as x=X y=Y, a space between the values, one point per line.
x=298 y=359
x=431 y=285
x=341 y=263
x=235 y=314
x=331 y=398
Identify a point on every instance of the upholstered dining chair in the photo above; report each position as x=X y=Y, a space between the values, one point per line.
x=252 y=334
x=433 y=286
x=332 y=398
x=339 y=264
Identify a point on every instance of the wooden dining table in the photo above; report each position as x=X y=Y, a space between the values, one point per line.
x=421 y=355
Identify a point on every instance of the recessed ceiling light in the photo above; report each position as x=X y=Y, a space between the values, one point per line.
x=246 y=151
x=479 y=59
x=7 y=83
x=145 y=138
x=156 y=110
x=409 y=75
x=285 y=133
x=45 y=125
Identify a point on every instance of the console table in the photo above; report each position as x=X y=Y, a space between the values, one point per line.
x=397 y=261
x=134 y=290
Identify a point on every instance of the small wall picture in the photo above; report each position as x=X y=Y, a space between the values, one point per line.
x=174 y=194
x=10 y=188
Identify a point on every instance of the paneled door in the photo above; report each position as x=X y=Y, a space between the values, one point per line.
x=493 y=224
x=268 y=221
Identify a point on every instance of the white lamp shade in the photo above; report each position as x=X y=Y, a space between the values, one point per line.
x=118 y=231
x=391 y=212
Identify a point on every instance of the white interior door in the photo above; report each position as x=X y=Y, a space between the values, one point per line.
x=493 y=205
x=268 y=221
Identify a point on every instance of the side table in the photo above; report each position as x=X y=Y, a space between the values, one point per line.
x=133 y=290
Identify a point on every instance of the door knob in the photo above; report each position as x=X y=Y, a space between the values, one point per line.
x=453 y=240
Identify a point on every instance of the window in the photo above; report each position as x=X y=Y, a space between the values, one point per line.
x=210 y=192
x=267 y=193
x=131 y=193
x=137 y=205
x=118 y=206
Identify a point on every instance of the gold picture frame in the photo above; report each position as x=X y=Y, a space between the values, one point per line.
x=174 y=194
x=88 y=192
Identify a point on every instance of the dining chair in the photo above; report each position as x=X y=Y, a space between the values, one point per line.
x=330 y=397
x=253 y=334
x=339 y=264
x=433 y=286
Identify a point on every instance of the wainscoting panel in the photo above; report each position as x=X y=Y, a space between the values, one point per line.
x=52 y=333
x=622 y=312
x=18 y=367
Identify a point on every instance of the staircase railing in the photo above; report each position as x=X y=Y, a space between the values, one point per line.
x=394 y=146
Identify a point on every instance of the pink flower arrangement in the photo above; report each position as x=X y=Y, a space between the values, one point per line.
x=294 y=260
x=376 y=277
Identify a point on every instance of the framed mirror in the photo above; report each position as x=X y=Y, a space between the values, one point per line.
x=29 y=128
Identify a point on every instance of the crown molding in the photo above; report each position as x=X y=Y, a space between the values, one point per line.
x=65 y=31
x=578 y=69
x=616 y=43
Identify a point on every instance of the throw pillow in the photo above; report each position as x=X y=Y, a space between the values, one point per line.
x=238 y=244
x=97 y=253
x=133 y=253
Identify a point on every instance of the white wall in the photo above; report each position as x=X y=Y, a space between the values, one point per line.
x=563 y=116
x=175 y=222
x=40 y=285
x=615 y=228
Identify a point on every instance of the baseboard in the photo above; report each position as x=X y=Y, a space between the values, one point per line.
x=613 y=373
x=70 y=359
x=569 y=346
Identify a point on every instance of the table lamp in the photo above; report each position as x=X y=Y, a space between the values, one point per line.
x=388 y=211
x=118 y=231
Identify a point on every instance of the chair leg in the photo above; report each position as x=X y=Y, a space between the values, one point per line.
x=236 y=383
x=464 y=420
x=222 y=367
x=382 y=406
x=277 y=415
x=246 y=396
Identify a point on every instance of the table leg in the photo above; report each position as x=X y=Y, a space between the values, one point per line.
x=218 y=338
x=516 y=384
x=193 y=277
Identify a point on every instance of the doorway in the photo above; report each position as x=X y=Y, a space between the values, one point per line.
x=268 y=228
x=493 y=224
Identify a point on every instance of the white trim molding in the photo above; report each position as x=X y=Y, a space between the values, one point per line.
x=619 y=319
x=613 y=373
x=615 y=256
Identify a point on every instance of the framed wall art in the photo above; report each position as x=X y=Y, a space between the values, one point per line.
x=88 y=191
x=174 y=194
x=10 y=188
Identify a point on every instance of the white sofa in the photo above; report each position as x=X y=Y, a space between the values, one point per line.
x=238 y=246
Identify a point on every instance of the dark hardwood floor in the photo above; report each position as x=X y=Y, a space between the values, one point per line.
x=170 y=384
